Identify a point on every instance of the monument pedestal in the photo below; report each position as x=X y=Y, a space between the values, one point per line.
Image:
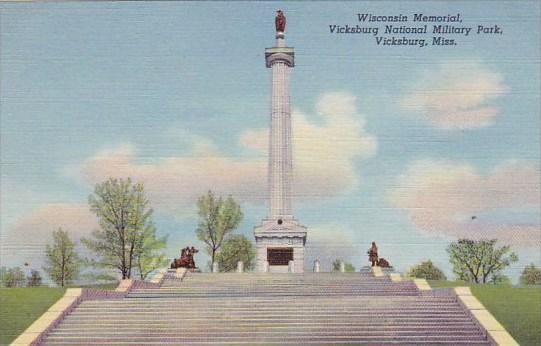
x=279 y=241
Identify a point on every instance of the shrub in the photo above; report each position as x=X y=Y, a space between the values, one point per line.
x=531 y=275
x=34 y=279
x=426 y=270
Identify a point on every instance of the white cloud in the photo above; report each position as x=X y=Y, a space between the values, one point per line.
x=26 y=240
x=324 y=154
x=456 y=95
x=456 y=200
x=328 y=242
x=324 y=161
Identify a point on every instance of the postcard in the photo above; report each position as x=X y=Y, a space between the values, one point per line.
x=235 y=172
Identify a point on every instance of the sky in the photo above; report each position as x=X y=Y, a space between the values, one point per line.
x=411 y=147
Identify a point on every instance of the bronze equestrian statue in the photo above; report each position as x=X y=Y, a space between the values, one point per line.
x=186 y=259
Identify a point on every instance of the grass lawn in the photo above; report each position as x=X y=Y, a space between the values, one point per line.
x=517 y=309
x=19 y=307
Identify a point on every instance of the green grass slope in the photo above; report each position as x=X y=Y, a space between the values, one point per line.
x=517 y=309
x=19 y=307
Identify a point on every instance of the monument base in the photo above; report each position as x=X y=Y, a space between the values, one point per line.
x=279 y=241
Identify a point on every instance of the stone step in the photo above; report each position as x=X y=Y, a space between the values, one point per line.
x=279 y=308
x=282 y=309
x=263 y=302
x=174 y=325
x=179 y=327
x=247 y=332
x=269 y=307
x=407 y=286
x=280 y=342
x=244 y=294
x=265 y=315
x=276 y=318
x=320 y=300
x=299 y=338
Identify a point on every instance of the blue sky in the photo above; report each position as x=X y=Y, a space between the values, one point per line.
x=407 y=142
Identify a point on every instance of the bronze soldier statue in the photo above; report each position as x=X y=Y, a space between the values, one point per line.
x=373 y=254
x=280 y=21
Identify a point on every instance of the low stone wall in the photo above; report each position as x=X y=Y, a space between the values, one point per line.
x=422 y=285
x=376 y=271
x=495 y=332
x=34 y=334
x=159 y=277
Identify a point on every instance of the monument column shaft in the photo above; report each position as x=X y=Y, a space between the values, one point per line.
x=280 y=157
x=280 y=239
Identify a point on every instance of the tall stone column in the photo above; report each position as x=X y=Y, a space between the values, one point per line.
x=280 y=60
x=280 y=239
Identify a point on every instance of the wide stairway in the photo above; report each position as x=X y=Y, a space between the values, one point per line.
x=311 y=308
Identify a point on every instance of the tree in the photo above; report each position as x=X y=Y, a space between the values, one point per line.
x=62 y=263
x=348 y=267
x=217 y=219
x=3 y=274
x=426 y=270
x=149 y=257
x=236 y=248
x=14 y=277
x=479 y=260
x=34 y=279
x=126 y=232
x=531 y=275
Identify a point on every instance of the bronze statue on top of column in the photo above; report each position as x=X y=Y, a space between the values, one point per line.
x=280 y=21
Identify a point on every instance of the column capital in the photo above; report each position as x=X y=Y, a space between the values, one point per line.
x=284 y=54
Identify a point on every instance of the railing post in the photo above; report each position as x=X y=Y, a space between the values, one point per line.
x=265 y=266
x=342 y=267
x=240 y=267
x=291 y=266
x=316 y=266
x=215 y=267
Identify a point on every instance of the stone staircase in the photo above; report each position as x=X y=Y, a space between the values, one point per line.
x=249 y=308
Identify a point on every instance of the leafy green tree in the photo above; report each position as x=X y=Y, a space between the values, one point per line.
x=531 y=275
x=62 y=263
x=217 y=219
x=14 y=277
x=34 y=279
x=426 y=270
x=3 y=273
x=150 y=257
x=236 y=248
x=126 y=232
x=479 y=260
x=348 y=267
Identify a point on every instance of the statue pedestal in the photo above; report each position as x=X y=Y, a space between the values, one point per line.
x=279 y=241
